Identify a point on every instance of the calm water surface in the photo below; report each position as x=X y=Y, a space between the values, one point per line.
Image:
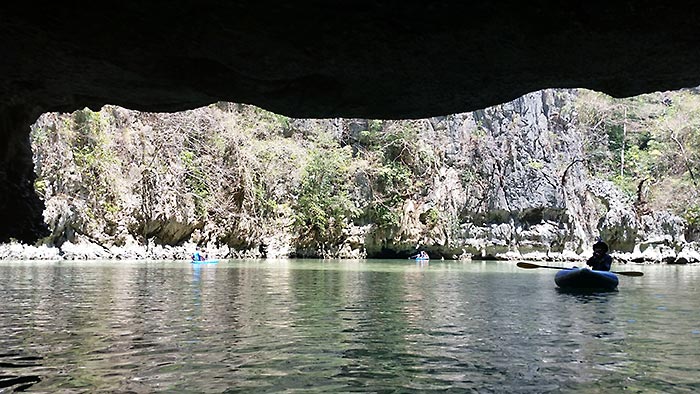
x=342 y=326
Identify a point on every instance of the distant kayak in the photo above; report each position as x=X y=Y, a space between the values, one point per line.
x=205 y=261
x=584 y=278
x=422 y=256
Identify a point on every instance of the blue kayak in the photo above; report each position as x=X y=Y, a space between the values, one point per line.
x=204 y=261
x=584 y=278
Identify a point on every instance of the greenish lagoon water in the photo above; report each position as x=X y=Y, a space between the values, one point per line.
x=313 y=326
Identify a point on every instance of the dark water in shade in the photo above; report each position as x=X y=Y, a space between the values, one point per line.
x=308 y=326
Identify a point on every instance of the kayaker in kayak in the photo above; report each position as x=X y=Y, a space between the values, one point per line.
x=601 y=260
x=199 y=256
x=423 y=255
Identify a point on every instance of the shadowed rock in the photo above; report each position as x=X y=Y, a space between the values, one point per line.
x=372 y=59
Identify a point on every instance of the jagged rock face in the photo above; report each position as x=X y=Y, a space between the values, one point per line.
x=510 y=181
x=513 y=180
x=509 y=178
x=373 y=59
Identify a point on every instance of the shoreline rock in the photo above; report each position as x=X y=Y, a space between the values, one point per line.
x=659 y=254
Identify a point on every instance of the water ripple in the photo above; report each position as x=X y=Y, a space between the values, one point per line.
x=313 y=326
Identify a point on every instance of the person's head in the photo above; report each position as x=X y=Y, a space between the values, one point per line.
x=600 y=247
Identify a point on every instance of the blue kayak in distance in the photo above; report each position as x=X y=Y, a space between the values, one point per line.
x=584 y=278
x=212 y=261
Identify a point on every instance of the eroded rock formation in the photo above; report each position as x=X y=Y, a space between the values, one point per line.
x=510 y=181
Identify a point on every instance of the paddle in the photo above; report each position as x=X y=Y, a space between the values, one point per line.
x=531 y=265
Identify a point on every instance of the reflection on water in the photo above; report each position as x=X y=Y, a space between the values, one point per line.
x=330 y=326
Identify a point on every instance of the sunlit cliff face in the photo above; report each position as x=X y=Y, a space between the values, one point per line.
x=373 y=59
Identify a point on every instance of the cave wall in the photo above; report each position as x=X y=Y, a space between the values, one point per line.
x=370 y=59
x=20 y=207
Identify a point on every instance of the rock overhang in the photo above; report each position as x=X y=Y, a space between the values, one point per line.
x=371 y=59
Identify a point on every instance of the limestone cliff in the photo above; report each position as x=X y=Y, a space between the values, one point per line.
x=510 y=181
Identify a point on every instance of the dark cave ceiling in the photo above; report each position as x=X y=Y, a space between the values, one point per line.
x=340 y=58
x=373 y=59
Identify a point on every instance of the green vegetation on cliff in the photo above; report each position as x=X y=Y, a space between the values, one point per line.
x=649 y=146
x=324 y=206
